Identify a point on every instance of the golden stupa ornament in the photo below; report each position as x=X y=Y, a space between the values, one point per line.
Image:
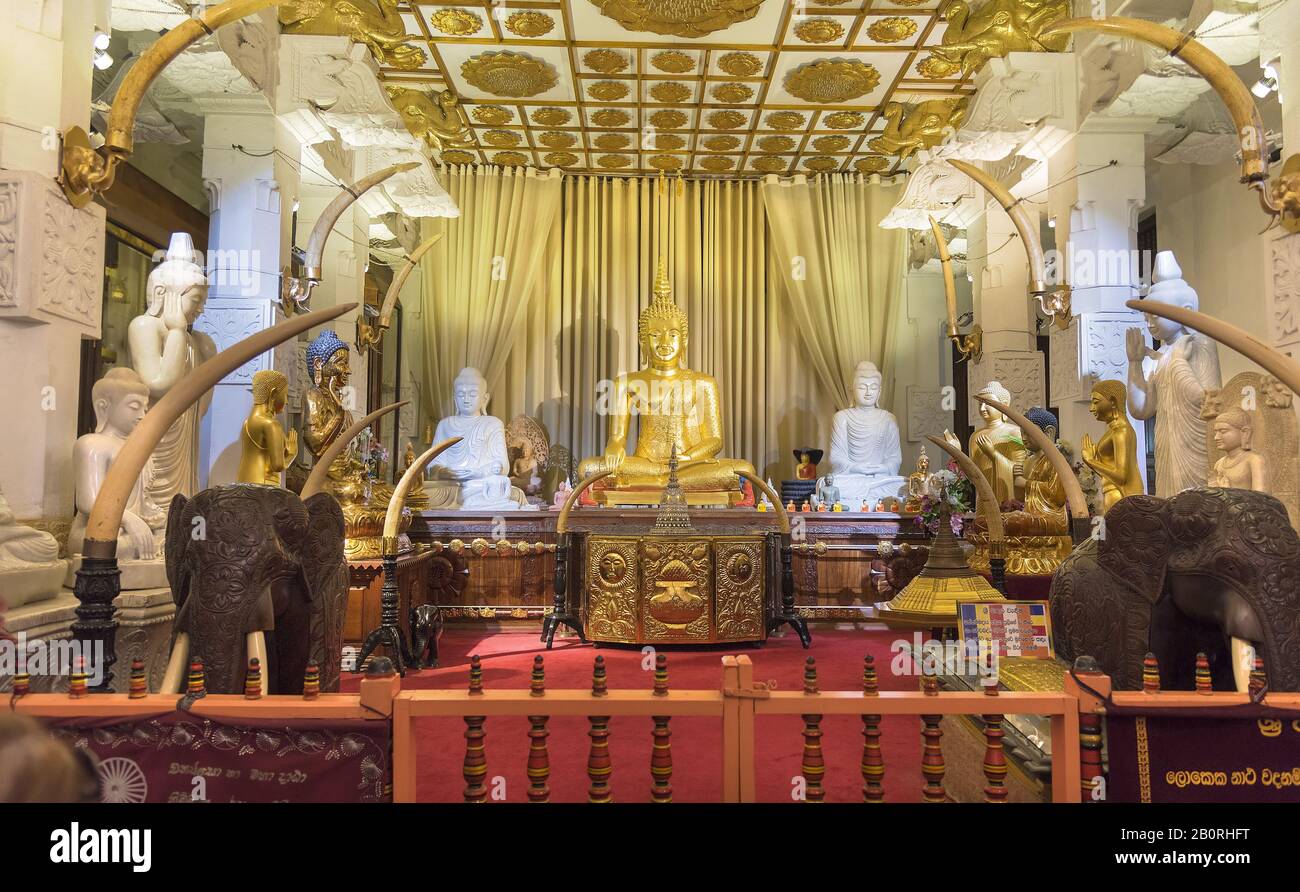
x=509 y=74
x=818 y=30
x=832 y=80
x=1000 y=27
x=610 y=117
x=492 y=114
x=673 y=62
x=502 y=139
x=734 y=93
x=668 y=119
x=671 y=92
x=529 y=23
x=456 y=22
x=561 y=159
x=775 y=144
x=552 y=117
x=379 y=26
x=770 y=164
x=678 y=18
x=604 y=61
x=721 y=143
x=612 y=142
x=892 y=29
x=934 y=68
x=557 y=139
x=740 y=64
x=607 y=91
x=510 y=159
x=785 y=120
x=831 y=143
x=872 y=164
x=727 y=119
x=844 y=120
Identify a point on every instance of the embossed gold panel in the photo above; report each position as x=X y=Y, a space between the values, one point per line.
x=611 y=584
x=676 y=589
x=739 y=589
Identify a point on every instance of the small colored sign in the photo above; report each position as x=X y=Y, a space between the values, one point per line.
x=1011 y=629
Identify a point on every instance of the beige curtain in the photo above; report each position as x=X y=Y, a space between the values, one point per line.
x=480 y=278
x=840 y=275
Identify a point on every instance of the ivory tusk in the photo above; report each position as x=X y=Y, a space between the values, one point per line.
x=1020 y=217
x=341 y=202
x=1276 y=363
x=771 y=494
x=394 y=513
x=1241 y=106
x=988 y=499
x=949 y=286
x=399 y=279
x=316 y=479
x=106 y=515
x=1073 y=491
x=562 y=522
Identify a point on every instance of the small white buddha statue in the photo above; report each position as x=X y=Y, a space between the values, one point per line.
x=865 y=452
x=120 y=400
x=1241 y=467
x=1187 y=365
x=163 y=351
x=472 y=474
x=30 y=568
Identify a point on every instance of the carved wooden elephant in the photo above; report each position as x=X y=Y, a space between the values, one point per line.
x=246 y=557
x=1182 y=575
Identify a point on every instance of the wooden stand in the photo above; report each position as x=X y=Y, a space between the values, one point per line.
x=365 y=586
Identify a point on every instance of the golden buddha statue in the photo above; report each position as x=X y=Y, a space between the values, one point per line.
x=918 y=483
x=1114 y=456
x=679 y=409
x=266 y=449
x=998 y=446
x=1039 y=536
x=364 y=502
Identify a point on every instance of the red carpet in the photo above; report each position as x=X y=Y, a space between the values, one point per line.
x=507 y=659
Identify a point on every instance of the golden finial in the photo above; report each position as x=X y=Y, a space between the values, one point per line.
x=663 y=290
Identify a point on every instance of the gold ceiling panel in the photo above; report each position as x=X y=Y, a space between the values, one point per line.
x=716 y=87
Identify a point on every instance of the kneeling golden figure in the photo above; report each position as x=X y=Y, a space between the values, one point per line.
x=677 y=407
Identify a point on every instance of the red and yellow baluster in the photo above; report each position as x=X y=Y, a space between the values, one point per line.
x=873 y=763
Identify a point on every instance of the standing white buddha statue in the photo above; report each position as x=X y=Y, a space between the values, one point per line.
x=472 y=474
x=865 y=451
x=164 y=350
x=1186 y=367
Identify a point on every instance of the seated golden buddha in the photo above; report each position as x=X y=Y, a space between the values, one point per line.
x=676 y=407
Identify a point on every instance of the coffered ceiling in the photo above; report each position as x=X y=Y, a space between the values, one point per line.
x=724 y=87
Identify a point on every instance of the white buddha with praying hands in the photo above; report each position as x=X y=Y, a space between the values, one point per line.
x=865 y=452
x=471 y=475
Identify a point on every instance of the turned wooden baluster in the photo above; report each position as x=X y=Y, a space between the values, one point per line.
x=995 y=759
x=253 y=680
x=1150 y=674
x=599 y=766
x=661 y=758
x=932 y=764
x=873 y=763
x=77 y=682
x=475 y=768
x=539 y=760
x=1258 y=685
x=814 y=761
x=1204 y=682
x=139 y=687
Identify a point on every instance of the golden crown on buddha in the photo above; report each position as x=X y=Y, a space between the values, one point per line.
x=677 y=407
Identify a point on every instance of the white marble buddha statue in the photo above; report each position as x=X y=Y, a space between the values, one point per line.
x=30 y=567
x=164 y=349
x=1186 y=367
x=865 y=452
x=120 y=400
x=471 y=475
x=1241 y=467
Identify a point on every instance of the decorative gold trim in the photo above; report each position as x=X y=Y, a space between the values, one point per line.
x=740 y=64
x=671 y=92
x=673 y=62
x=614 y=162
x=1144 y=760
x=726 y=119
x=557 y=139
x=892 y=29
x=530 y=23
x=832 y=80
x=733 y=93
x=456 y=22
x=819 y=30
x=492 y=114
x=775 y=144
x=509 y=74
x=605 y=61
x=844 y=120
x=610 y=117
x=607 y=91
x=831 y=143
x=510 y=159
x=681 y=18
x=723 y=142
x=552 y=117
x=561 y=159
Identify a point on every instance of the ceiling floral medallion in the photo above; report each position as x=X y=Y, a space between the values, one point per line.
x=501 y=138
x=844 y=120
x=673 y=62
x=529 y=23
x=832 y=80
x=510 y=159
x=727 y=119
x=491 y=114
x=552 y=117
x=733 y=93
x=610 y=117
x=665 y=162
x=671 y=92
x=775 y=144
x=770 y=163
x=666 y=142
x=892 y=29
x=613 y=162
x=872 y=164
x=679 y=18
x=561 y=159
x=908 y=2
x=557 y=139
x=605 y=61
x=818 y=30
x=821 y=164
x=718 y=163
x=935 y=68
x=456 y=156
x=456 y=22
x=607 y=91
x=831 y=143
x=722 y=143
x=612 y=142
x=785 y=120
x=508 y=74
x=740 y=64
x=668 y=119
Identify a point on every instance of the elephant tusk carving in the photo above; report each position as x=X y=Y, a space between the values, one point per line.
x=320 y=471
x=969 y=345
x=987 y=499
x=562 y=522
x=399 y=279
x=1073 y=491
x=106 y=515
x=394 y=513
x=340 y=203
x=1276 y=363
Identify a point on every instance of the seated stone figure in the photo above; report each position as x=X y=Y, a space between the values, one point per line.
x=120 y=399
x=865 y=451
x=30 y=568
x=679 y=409
x=1240 y=467
x=472 y=474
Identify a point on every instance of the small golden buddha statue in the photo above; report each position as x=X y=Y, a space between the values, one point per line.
x=1039 y=535
x=678 y=408
x=1240 y=468
x=918 y=483
x=266 y=449
x=1114 y=456
x=805 y=470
